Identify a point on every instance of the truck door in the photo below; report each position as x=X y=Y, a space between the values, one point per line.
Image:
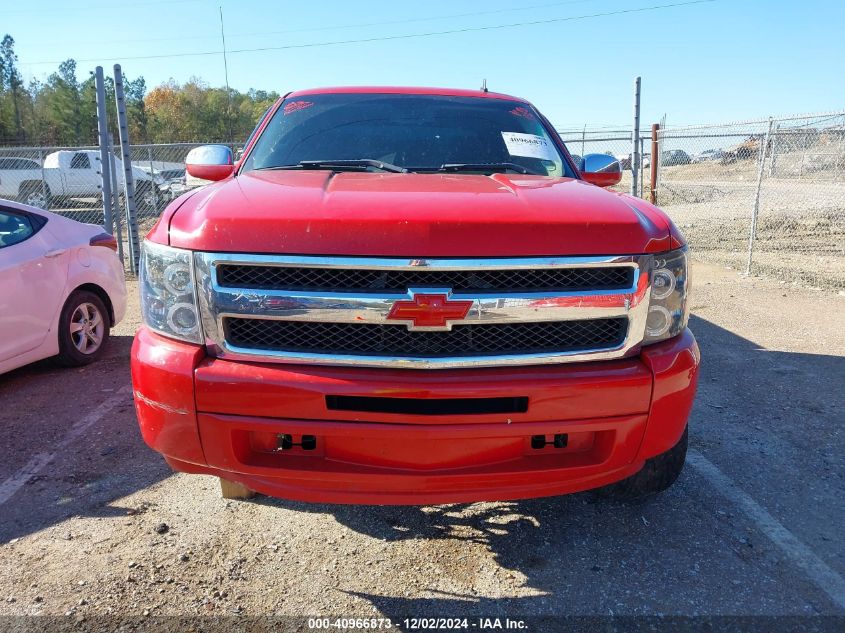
x=33 y=275
x=82 y=176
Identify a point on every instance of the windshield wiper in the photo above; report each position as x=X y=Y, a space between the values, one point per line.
x=340 y=163
x=485 y=167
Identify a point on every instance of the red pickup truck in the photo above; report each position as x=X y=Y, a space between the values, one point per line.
x=414 y=296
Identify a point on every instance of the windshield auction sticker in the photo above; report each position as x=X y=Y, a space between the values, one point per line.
x=296 y=106
x=528 y=145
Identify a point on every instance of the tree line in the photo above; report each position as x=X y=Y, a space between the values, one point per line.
x=62 y=109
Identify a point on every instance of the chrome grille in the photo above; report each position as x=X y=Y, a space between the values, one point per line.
x=397 y=340
x=337 y=310
x=392 y=281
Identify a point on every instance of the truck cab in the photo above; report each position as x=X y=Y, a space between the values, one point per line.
x=75 y=172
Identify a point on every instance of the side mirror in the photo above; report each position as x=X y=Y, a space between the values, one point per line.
x=601 y=170
x=210 y=162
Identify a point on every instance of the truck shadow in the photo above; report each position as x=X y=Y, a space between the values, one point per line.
x=40 y=403
x=680 y=552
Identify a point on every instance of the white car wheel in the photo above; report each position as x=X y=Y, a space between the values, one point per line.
x=84 y=328
x=87 y=326
x=35 y=196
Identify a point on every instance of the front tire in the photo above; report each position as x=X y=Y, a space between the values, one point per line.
x=658 y=474
x=84 y=329
x=147 y=198
x=35 y=194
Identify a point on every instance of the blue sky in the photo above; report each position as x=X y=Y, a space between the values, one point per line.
x=707 y=62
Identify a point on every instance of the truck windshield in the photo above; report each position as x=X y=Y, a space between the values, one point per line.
x=424 y=133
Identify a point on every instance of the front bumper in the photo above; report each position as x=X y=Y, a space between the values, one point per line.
x=222 y=418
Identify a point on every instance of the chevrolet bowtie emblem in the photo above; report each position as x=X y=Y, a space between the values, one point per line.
x=429 y=310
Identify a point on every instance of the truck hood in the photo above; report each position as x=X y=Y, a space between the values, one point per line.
x=414 y=215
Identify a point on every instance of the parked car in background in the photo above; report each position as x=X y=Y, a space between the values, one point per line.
x=15 y=163
x=174 y=182
x=70 y=175
x=626 y=159
x=62 y=288
x=675 y=157
x=748 y=149
x=708 y=155
x=21 y=179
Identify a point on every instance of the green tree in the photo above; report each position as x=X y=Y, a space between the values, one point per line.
x=10 y=79
x=62 y=110
x=193 y=111
x=61 y=105
x=136 y=113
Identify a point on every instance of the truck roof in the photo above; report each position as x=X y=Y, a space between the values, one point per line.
x=405 y=90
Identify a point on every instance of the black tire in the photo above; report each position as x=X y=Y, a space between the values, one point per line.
x=35 y=194
x=658 y=474
x=71 y=348
x=146 y=198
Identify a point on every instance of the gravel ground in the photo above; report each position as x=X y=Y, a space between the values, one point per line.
x=800 y=232
x=753 y=527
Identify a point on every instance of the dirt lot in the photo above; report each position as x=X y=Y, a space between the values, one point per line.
x=800 y=233
x=93 y=523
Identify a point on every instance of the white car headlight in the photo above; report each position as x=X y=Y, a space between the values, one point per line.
x=668 y=311
x=168 y=297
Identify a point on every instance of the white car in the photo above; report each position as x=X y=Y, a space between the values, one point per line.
x=708 y=155
x=62 y=288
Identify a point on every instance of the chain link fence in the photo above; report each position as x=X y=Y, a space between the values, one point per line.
x=616 y=143
x=765 y=196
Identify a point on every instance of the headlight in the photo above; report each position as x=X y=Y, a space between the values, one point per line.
x=668 y=311
x=168 y=300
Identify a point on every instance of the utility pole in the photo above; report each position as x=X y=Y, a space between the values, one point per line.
x=105 y=163
x=115 y=192
x=635 y=155
x=756 y=210
x=583 y=139
x=655 y=162
x=128 y=175
x=226 y=76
